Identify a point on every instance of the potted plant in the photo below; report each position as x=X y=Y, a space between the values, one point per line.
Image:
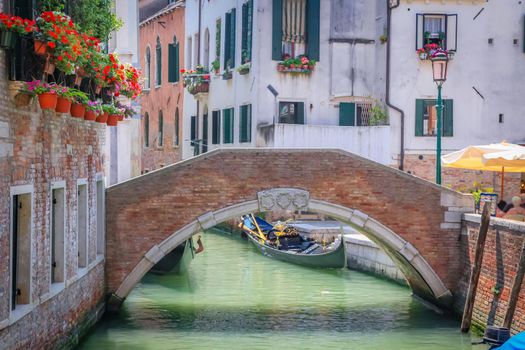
x=216 y=66
x=244 y=68
x=11 y=27
x=126 y=111
x=78 y=105
x=422 y=53
x=93 y=109
x=47 y=93
x=112 y=112
x=64 y=100
x=227 y=74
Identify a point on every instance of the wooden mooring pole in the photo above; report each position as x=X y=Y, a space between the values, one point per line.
x=516 y=288
x=476 y=269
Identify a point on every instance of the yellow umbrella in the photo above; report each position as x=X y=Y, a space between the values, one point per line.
x=475 y=158
x=514 y=158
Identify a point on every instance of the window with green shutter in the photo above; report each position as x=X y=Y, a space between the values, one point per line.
x=347 y=114
x=173 y=61
x=216 y=127
x=193 y=130
x=426 y=118
x=147 y=72
x=246 y=38
x=227 y=123
x=158 y=60
x=295 y=28
x=176 y=136
x=245 y=124
x=229 y=42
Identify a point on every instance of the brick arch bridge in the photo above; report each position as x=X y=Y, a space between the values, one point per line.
x=416 y=222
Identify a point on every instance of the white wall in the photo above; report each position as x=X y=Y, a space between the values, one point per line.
x=495 y=70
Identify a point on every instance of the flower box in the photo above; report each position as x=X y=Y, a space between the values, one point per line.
x=227 y=75
x=299 y=70
x=244 y=69
x=300 y=64
x=199 y=88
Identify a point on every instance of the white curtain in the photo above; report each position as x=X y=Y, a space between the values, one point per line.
x=294 y=21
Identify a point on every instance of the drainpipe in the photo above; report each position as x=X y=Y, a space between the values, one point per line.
x=199 y=62
x=388 y=103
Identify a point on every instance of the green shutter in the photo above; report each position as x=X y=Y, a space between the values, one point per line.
x=193 y=129
x=347 y=114
x=227 y=116
x=277 y=30
x=420 y=108
x=232 y=121
x=245 y=124
x=299 y=114
x=313 y=28
x=523 y=39
x=177 y=62
x=250 y=31
x=232 y=37
x=244 y=32
x=448 y=118
x=227 y=43
x=171 y=63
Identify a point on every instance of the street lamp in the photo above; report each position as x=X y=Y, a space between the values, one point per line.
x=439 y=71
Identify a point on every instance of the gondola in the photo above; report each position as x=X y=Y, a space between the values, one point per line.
x=177 y=261
x=286 y=244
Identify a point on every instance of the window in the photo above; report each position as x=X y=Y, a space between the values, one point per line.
x=205 y=130
x=227 y=122
x=359 y=114
x=176 y=139
x=148 y=69
x=295 y=28
x=291 y=112
x=218 y=28
x=82 y=229
x=206 y=61
x=57 y=235
x=100 y=217
x=245 y=127
x=247 y=29
x=426 y=118
x=346 y=114
x=160 y=140
x=21 y=249
x=173 y=61
x=188 y=54
x=439 y=29
x=194 y=132
x=229 y=43
x=216 y=127
x=158 y=63
x=146 y=130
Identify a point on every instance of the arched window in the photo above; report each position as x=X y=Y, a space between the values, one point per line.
x=146 y=130
x=173 y=61
x=160 y=142
x=158 y=60
x=177 y=128
x=206 y=61
x=147 y=69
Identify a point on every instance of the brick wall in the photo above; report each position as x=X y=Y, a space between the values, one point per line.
x=501 y=256
x=37 y=149
x=146 y=210
x=459 y=179
x=168 y=97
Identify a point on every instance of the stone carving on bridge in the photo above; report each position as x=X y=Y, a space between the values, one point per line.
x=283 y=199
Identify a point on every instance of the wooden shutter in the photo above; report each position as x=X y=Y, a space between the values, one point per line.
x=193 y=129
x=171 y=63
x=347 y=114
x=177 y=62
x=451 y=41
x=227 y=43
x=419 y=31
x=244 y=31
x=277 y=30
x=313 y=28
x=299 y=115
x=216 y=127
x=250 y=31
x=420 y=108
x=227 y=125
x=448 y=118
x=232 y=38
x=245 y=124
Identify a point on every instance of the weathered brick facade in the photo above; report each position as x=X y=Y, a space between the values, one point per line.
x=500 y=259
x=424 y=166
x=38 y=149
x=167 y=26
x=145 y=211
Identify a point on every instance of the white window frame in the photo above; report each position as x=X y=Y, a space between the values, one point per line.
x=82 y=270
x=57 y=287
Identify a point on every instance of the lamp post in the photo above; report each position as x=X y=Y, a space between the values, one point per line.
x=439 y=71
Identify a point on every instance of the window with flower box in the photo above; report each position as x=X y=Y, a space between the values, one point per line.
x=426 y=118
x=247 y=30
x=296 y=28
x=229 y=40
x=436 y=31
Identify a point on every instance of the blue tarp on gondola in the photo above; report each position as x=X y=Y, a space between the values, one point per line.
x=263 y=225
x=517 y=342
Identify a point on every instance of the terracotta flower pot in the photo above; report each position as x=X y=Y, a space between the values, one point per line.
x=47 y=100
x=112 y=120
x=40 y=47
x=311 y=68
x=78 y=110
x=292 y=66
x=120 y=117
x=102 y=118
x=63 y=105
x=90 y=115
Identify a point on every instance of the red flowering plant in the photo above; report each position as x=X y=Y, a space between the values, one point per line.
x=114 y=73
x=428 y=50
x=131 y=86
x=16 y=24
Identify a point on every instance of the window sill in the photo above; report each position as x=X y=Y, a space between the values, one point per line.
x=158 y=87
x=20 y=312
x=54 y=290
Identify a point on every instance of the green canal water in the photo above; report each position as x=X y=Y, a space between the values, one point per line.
x=234 y=298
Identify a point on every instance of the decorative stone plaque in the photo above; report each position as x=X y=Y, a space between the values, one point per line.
x=283 y=199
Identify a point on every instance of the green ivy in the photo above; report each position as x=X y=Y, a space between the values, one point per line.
x=95 y=17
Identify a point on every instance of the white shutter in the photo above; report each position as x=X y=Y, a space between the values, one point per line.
x=419 y=31
x=452 y=33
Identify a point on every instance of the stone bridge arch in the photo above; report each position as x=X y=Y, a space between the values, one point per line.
x=416 y=222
